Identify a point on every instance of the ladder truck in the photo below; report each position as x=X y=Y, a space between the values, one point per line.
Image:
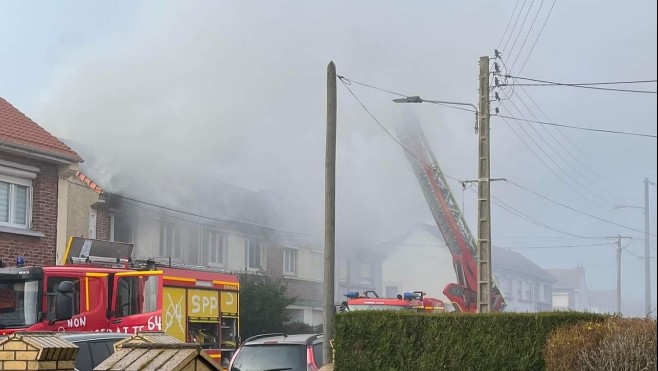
x=449 y=219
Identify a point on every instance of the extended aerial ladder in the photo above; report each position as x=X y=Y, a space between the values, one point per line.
x=448 y=217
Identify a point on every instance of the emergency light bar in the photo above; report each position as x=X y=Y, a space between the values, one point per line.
x=412 y=296
x=352 y=294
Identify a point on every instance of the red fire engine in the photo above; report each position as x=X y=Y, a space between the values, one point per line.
x=449 y=219
x=85 y=298
x=369 y=300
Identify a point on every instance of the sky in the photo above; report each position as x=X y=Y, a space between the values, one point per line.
x=161 y=96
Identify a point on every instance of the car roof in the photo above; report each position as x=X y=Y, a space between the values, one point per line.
x=303 y=339
x=89 y=336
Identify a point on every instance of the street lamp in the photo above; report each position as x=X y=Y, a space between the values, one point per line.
x=647 y=265
x=417 y=99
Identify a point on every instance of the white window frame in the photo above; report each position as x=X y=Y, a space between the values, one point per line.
x=217 y=241
x=14 y=181
x=247 y=249
x=176 y=241
x=290 y=261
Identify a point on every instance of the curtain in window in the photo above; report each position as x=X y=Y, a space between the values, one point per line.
x=4 y=202
x=20 y=205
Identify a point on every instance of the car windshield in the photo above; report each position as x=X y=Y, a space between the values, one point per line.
x=19 y=302
x=270 y=357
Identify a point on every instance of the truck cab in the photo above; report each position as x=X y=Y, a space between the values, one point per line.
x=84 y=298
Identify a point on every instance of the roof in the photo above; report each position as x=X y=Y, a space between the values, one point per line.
x=302 y=339
x=19 y=131
x=89 y=183
x=158 y=356
x=76 y=337
x=512 y=260
x=568 y=278
x=46 y=343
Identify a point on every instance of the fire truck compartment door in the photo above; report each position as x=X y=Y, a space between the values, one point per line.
x=135 y=292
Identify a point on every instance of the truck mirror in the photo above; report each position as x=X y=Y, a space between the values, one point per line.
x=66 y=287
x=63 y=306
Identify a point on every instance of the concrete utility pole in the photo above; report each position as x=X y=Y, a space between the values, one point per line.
x=330 y=215
x=619 y=237
x=619 y=274
x=647 y=265
x=484 y=206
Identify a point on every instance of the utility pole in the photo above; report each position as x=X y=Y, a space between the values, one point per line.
x=647 y=265
x=330 y=215
x=619 y=237
x=484 y=206
x=619 y=274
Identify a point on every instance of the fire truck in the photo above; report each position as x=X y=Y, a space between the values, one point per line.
x=449 y=219
x=79 y=298
x=199 y=304
x=369 y=300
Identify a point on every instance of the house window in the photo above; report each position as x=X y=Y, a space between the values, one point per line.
x=216 y=244
x=290 y=261
x=343 y=269
x=170 y=241
x=253 y=254
x=15 y=202
x=365 y=274
x=528 y=291
x=121 y=228
x=519 y=289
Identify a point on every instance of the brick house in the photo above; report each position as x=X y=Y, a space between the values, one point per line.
x=34 y=166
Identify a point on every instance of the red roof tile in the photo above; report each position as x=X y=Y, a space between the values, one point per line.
x=90 y=183
x=18 y=130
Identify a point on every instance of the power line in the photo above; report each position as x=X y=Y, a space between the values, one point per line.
x=592 y=183
x=583 y=86
x=575 y=210
x=508 y=23
x=558 y=246
x=528 y=34
x=510 y=209
x=538 y=35
x=518 y=16
x=349 y=81
x=556 y=152
x=522 y=25
x=585 y=83
x=567 y=139
x=580 y=127
x=530 y=148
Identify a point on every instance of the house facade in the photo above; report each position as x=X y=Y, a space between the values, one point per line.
x=570 y=291
x=34 y=171
x=235 y=246
x=525 y=286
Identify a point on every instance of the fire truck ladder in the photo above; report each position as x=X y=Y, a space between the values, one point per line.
x=445 y=209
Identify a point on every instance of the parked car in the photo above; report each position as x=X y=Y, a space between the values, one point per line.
x=95 y=347
x=279 y=352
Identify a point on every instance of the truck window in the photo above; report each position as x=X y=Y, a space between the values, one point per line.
x=53 y=284
x=135 y=295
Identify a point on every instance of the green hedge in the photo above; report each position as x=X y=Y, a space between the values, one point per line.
x=384 y=340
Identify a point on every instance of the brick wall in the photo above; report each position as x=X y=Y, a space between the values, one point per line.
x=36 y=250
x=103 y=221
x=36 y=351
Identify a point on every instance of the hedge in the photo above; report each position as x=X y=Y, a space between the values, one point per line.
x=385 y=340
